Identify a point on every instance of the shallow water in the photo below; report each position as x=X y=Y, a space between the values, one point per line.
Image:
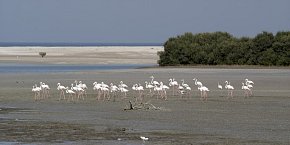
x=45 y=68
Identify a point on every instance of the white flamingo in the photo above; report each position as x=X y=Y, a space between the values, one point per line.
x=197 y=82
x=45 y=89
x=114 y=89
x=230 y=89
x=61 y=89
x=183 y=84
x=140 y=89
x=84 y=87
x=203 y=92
x=105 y=91
x=123 y=90
x=249 y=81
x=123 y=85
x=154 y=82
x=187 y=88
x=36 y=91
x=249 y=84
x=181 y=90
x=71 y=93
x=246 y=90
x=173 y=83
x=164 y=88
x=97 y=87
x=159 y=91
x=149 y=86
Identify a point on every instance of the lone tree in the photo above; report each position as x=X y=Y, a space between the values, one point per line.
x=42 y=54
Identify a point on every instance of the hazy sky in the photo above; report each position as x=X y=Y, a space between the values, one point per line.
x=136 y=21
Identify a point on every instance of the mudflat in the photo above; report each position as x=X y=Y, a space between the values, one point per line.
x=260 y=119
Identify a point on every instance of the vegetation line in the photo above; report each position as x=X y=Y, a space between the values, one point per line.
x=221 y=48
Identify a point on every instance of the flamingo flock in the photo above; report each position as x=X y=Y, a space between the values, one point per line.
x=78 y=90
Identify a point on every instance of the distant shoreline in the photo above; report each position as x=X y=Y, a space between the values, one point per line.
x=64 y=44
x=81 y=54
x=219 y=67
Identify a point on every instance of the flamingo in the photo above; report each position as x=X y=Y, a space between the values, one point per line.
x=61 y=89
x=70 y=92
x=203 y=92
x=188 y=90
x=181 y=90
x=197 y=82
x=140 y=89
x=105 y=91
x=172 y=83
x=153 y=82
x=123 y=90
x=83 y=86
x=123 y=85
x=230 y=89
x=149 y=86
x=36 y=91
x=158 y=89
x=220 y=86
x=249 y=81
x=250 y=86
x=113 y=89
x=164 y=88
x=45 y=89
x=183 y=84
x=97 y=87
x=246 y=89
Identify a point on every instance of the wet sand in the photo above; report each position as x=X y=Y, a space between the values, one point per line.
x=261 y=119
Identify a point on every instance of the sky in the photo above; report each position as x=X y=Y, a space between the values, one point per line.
x=136 y=21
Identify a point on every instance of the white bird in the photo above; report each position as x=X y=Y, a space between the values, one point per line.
x=249 y=81
x=71 y=93
x=220 y=86
x=36 y=91
x=113 y=89
x=180 y=87
x=203 y=92
x=183 y=84
x=164 y=88
x=173 y=83
x=61 y=89
x=104 y=85
x=123 y=85
x=83 y=86
x=246 y=90
x=149 y=86
x=144 y=138
x=97 y=87
x=159 y=91
x=153 y=82
x=197 y=82
x=123 y=90
x=45 y=89
x=230 y=89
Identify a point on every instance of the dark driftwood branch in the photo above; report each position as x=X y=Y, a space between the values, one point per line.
x=142 y=106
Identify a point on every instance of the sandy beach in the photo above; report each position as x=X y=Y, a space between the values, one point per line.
x=260 y=119
x=82 y=55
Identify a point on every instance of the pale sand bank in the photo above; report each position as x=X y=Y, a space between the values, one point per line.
x=82 y=55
